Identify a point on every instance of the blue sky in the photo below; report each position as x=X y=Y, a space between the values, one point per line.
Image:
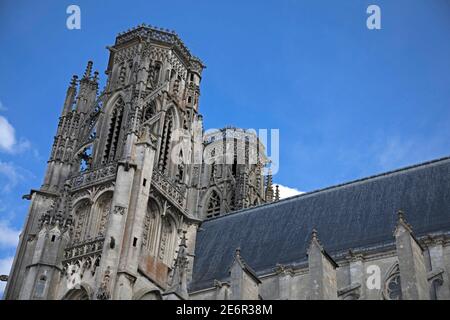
x=349 y=102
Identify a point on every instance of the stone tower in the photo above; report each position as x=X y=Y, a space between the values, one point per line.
x=232 y=172
x=124 y=193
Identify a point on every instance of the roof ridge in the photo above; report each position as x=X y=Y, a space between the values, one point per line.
x=336 y=186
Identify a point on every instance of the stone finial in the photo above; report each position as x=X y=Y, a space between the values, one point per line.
x=87 y=72
x=314 y=235
x=401 y=215
x=269 y=187
x=73 y=81
x=237 y=253
x=401 y=221
x=322 y=271
x=179 y=277
x=277 y=193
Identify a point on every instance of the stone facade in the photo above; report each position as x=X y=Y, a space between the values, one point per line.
x=122 y=188
x=138 y=202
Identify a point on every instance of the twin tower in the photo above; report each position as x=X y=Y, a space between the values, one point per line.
x=130 y=178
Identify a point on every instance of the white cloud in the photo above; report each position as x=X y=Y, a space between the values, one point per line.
x=7 y=135
x=5 y=267
x=8 y=140
x=286 y=192
x=9 y=237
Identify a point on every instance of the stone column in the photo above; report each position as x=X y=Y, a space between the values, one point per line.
x=132 y=243
x=357 y=275
x=243 y=280
x=115 y=231
x=413 y=273
x=222 y=290
x=322 y=272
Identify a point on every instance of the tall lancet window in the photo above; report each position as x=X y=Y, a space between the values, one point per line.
x=115 y=125
x=100 y=216
x=81 y=217
x=165 y=142
x=392 y=287
x=151 y=227
x=213 y=205
x=167 y=242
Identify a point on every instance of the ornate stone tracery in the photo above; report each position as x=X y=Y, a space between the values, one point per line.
x=392 y=286
x=81 y=216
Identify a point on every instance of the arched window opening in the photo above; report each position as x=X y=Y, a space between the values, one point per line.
x=86 y=159
x=115 y=125
x=213 y=205
x=100 y=216
x=76 y=294
x=151 y=228
x=93 y=133
x=40 y=287
x=81 y=217
x=153 y=76
x=234 y=166
x=392 y=286
x=165 y=142
x=166 y=244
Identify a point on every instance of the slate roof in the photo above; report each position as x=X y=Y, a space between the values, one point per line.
x=358 y=214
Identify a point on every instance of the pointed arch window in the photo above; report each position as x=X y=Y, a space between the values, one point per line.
x=392 y=287
x=165 y=142
x=167 y=242
x=115 y=125
x=213 y=205
x=86 y=158
x=81 y=217
x=100 y=215
x=40 y=287
x=151 y=227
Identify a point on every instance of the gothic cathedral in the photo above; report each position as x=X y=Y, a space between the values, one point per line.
x=139 y=202
x=116 y=216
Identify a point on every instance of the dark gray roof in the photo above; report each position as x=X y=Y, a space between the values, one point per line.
x=358 y=214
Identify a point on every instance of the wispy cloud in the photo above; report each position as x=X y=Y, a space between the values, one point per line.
x=286 y=192
x=398 y=151
x=8 y=140
x=2 y=107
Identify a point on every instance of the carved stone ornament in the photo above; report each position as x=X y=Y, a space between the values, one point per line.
x=119 y=210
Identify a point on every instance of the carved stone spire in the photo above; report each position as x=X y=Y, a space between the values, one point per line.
x=87 y=72
x=277 y=193
x=322 y=271
x=179 y=278
x=269 y=187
